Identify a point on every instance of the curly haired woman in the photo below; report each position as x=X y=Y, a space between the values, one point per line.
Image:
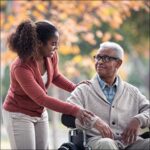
x=24 y=109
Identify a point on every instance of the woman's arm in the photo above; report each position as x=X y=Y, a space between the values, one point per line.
x=30 y=86
x=60 y=80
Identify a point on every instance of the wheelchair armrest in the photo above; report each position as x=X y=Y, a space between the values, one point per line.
x=145 y=135
x=68 y=121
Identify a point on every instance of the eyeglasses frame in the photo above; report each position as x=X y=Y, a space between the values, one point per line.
x=110 y=58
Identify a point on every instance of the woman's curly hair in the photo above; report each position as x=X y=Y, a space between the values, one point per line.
x=24 y=40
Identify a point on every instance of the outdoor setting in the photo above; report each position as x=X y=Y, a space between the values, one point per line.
x=82 y=26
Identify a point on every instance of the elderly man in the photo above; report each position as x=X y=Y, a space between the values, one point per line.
x=119 y=107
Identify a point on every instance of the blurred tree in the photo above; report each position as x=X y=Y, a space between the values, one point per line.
x=67 y=17
x=82 y=25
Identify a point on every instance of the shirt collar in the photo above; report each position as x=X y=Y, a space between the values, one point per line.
x=103 y=84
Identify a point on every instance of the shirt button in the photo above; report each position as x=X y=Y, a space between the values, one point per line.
x=113 y=106
x=113 y=123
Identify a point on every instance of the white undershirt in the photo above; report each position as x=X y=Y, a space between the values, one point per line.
x=44 y=77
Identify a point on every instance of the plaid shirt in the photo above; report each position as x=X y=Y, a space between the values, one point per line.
x=109 y=91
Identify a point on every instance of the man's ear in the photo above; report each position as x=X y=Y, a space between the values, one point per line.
x=119 y=62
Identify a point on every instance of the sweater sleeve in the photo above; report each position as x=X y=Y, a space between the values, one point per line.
x=60 y=80
x=144 y=110
x=30 y=86
x=79 y=97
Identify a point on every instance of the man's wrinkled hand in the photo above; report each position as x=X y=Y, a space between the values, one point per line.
x=103 y=128
x=129 y=135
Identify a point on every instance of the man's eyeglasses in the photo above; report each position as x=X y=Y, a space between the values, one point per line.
x=105 y=58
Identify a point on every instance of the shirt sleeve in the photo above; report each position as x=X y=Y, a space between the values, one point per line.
x=59 y=79
x=62 y=82
x=30 y=86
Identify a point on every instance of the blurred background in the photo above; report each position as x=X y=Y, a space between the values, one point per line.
x=82 y=25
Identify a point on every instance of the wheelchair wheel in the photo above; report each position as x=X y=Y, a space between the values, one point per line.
x=68 y=146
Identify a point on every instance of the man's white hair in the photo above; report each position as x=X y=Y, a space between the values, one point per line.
x=114 y=46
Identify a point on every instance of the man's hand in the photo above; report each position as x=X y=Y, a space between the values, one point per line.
x=103 y=128
x=130 y=133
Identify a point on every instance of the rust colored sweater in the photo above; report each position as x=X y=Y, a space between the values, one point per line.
x=28 y=94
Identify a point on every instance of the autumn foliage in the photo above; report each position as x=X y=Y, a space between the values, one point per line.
x=74 y=19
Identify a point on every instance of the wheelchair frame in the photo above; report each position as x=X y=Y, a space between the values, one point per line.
x=77 y=137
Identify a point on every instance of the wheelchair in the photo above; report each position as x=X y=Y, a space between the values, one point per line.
x=77 y=138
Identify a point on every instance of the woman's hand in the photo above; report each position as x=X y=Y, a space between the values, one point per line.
x=84 y=115
x=84 y=82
